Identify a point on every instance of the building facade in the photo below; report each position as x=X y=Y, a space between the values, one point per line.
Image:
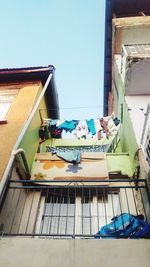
x=52 y=209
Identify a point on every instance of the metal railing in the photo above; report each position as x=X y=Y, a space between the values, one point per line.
x=77 y=211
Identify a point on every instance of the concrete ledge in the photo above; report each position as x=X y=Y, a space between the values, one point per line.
x=35 y=252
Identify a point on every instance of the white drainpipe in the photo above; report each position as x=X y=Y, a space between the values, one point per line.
x=22 y=133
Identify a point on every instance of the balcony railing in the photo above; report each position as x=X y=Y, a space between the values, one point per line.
x=77 y=211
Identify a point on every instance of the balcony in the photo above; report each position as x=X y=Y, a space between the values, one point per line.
x=33 y=209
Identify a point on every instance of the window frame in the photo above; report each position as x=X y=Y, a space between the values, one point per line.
x=7 y=97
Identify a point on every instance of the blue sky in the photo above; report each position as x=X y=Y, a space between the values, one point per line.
x=66 y=33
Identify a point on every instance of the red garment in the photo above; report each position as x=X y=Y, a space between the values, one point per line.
x=104 y=126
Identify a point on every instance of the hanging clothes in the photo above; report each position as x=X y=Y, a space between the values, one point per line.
x=54 y=131
x=82 y=130
x=43 y=133
x=68 y=126
x=116 y=121
x=70 y=156
x=104 y=126
x=98 y=126
x=59 y=122
x=91 y=126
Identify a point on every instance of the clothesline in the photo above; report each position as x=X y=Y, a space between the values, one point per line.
x=103 y=127
x=83 y=107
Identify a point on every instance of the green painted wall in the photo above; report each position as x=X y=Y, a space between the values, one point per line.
x=119 y=162
x=127 y=135
x=30 y=140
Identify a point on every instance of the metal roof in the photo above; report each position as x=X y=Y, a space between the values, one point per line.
x=27 y=73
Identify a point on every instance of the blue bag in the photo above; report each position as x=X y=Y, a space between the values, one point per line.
x=125 y=226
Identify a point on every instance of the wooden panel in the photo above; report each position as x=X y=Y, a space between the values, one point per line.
x=19 y=212
x=26 y=213
x=29 y=215
x=33 y=213
x=5 y=208
x=11 y=210
x=40 y=214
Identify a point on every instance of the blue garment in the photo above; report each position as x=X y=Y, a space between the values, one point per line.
x=91 y=126
x=68 y=126
x=70 y=156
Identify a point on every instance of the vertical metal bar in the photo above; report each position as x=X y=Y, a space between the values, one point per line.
x=61 y=218
x=55 y=220
x=104 y=205
x=38 y=217
x=75 y=194
x=120 y=203
x=53 y=197
x=134 y=202
x=97 y=208
x=127 y=203
x=49 y=210
x=30 y=212
x=67 y=211
x=113 y=210
x=143 y=203
x=90 y=211
x=44 y=211
x=127 y=200
x=59 y=211
x=121 y=210
x=82 y=203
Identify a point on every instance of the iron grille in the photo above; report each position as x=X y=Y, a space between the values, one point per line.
x=75 y=211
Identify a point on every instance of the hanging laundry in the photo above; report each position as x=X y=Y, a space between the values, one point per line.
x=91 y=126
x=112 y=128
x=99 y=135
x=43 y=133
x=55 y=132
x=59 y=122
x=104 y=126
x=98 y=126
x=116 y=121
x=68 y=126
x=82 y=130
x=70 y=156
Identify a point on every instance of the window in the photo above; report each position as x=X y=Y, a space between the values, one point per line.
x=6 y=99
x=71 y=212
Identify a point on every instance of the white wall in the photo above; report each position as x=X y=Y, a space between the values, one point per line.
x=136 y=103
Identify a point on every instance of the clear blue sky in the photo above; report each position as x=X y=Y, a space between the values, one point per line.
x=66 y=33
